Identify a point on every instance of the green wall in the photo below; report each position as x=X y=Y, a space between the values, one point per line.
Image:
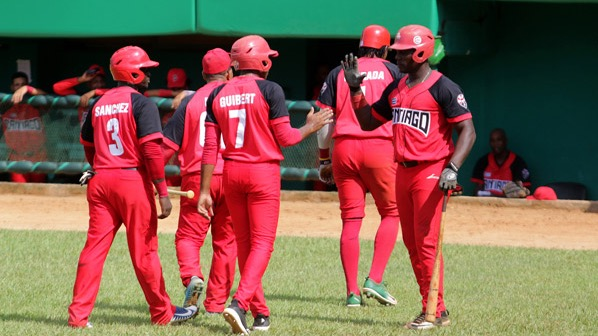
x=531 y=72
x=272 y=18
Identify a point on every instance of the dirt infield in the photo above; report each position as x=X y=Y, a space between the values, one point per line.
x=469 y=220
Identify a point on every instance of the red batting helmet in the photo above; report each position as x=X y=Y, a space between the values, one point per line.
x=415 y=37
x=252 y=52
x=126 y=64
x=375 y=36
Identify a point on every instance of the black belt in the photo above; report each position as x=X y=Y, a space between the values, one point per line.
x=409 y=164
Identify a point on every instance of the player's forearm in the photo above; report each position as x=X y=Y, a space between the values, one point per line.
x=90 y=153
x=207 y=170
x=152 y=153
x=286 y=135
x=66 y=86
x=325 y=136
x=363 y=112
x=465 y=141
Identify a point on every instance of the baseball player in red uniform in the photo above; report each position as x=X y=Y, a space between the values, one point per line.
x=250 y=113
x=94 y=76
x=361 y=163
x=23 y=129
x=494 y=170
x=122 y=135
x=424 y=106
x=185 y=133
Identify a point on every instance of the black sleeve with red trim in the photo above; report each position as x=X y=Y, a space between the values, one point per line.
x=327 y=97
x=450 y=97
x=382 y=106
x=274 y=96
x=175 y=127
x=146 y=114
x=520 y=172
x=478 y=170
x=209 y=111
x=87 y=128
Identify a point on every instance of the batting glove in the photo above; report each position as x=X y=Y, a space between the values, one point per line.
x=325 y=171
x=448 y=178
x=351 y=70
x=87 y=175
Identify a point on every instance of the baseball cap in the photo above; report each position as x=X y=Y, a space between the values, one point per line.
x=176 y=78
x=215 y=61
x=96 y=69
x=543 y=194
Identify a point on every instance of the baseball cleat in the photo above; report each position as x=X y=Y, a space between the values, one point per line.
x=261 y=323
x=378 y=291
x=183 y=314
x=235 y=316
x=354 y=300
x=193 y=292
x=420 y=323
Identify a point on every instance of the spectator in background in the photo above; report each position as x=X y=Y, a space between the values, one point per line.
x=176 y=82
x=499 y=167
x=23 y=129
x=94 y=78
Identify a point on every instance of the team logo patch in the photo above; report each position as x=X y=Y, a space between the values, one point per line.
x=324 y=87
x=417 y=39
x=419 y=120
x=393 y=101
x=461 y=100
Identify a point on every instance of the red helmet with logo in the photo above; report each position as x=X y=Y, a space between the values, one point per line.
x=126 y=64
x=252 y=52
x=374 y=36
x=415 y=37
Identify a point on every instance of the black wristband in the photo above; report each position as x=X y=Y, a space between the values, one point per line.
x=354 y=90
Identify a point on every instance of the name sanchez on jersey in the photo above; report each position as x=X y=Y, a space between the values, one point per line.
x=110 y=109
x=237 y=99
x=420 y=120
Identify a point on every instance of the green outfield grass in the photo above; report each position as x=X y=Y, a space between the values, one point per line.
x=489 y=290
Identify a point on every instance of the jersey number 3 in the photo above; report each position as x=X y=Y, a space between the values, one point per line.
x=116 y=148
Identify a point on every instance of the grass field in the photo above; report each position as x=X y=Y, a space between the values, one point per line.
x=489 y=291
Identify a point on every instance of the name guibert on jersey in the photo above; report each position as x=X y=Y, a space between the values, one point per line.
x=237 y=99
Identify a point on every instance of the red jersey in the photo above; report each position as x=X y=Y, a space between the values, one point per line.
x=186 y=132
x=24 y=133
x=422 y=117
x=336 y=95
x=495 y=177
x=245 y=108
x=117 y=124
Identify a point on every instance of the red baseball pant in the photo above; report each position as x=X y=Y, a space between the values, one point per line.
x=190 y=237
x=359 y=166
x=118 y=196
x=253 y=198
x=419 y=200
